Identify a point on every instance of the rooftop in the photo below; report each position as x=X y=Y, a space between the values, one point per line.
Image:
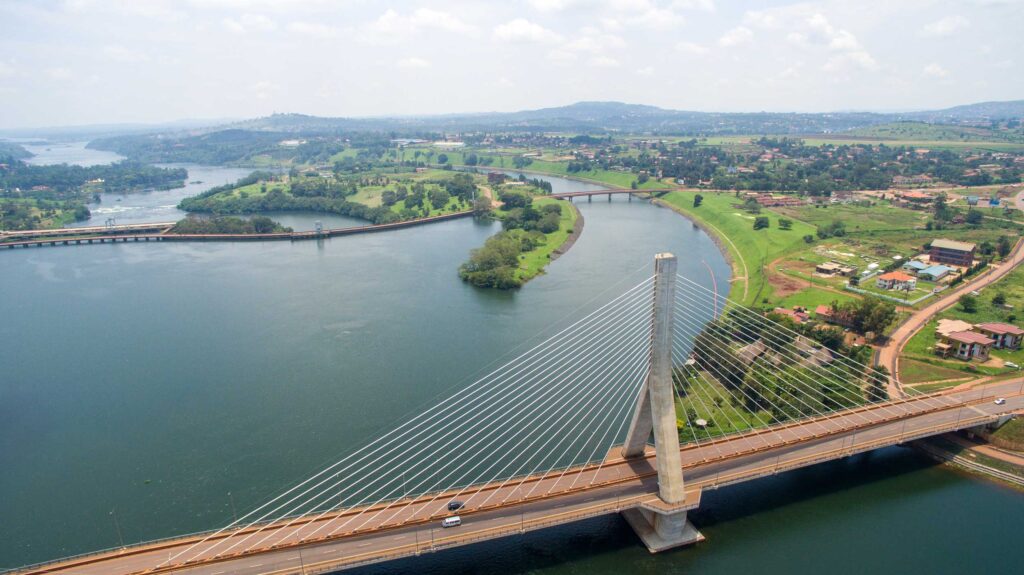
x=970 y=337
x=952 y=245
x=948 y=326
x=897 y=276
x=1001 y=328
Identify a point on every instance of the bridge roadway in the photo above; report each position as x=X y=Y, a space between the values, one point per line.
x=380 y=533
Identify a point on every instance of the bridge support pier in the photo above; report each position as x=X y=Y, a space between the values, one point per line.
x=663 y=525
x=662 y=530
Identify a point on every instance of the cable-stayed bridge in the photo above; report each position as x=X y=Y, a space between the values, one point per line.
x=563 y=432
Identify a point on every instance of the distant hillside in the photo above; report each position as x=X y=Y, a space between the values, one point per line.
x=1013 y=109
x=937 y=132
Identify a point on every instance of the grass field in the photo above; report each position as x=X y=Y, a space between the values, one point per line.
x=533 y=262
x=722 y=417
x=811 y=298
x=748 y=249
x=912 y=372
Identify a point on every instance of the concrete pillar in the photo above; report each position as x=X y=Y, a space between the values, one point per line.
x=656 y=410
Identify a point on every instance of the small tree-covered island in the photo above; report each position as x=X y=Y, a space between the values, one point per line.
x=378 y=197
x=535 y=229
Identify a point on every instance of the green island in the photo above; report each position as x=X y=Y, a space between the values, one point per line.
x=534 y=228
x=380 y=197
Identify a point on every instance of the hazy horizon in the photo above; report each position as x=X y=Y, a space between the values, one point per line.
x=87 y=62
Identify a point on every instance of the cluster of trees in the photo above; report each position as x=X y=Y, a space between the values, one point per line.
x=788 y=164
x=65 y=181
x=32 y=214
x=494 y=265
x=520 y=214
x=769 y=380
x=415 y=199
x=228 y=225
x=34 y=196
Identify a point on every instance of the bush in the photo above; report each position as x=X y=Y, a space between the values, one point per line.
x=761 y=222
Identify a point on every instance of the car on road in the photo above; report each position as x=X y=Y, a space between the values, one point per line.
x=455 y=505
x=451 y=522
x=1000 y=401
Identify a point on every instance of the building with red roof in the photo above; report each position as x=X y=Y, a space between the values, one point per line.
x=1004 y=335
x=965 y=345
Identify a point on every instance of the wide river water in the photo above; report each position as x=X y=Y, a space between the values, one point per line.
x=143 y=383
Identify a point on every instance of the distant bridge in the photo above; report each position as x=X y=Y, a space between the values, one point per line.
x=562 y=433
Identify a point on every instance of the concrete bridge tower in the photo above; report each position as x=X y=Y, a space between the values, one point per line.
x=661 y=525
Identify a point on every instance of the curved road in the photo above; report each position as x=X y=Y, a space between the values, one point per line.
x=889 y=354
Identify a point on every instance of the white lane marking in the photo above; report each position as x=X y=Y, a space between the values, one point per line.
x=325 y=551
x=364 y=544
x=400 y=537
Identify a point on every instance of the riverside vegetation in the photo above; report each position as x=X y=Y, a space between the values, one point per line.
x=533 y=229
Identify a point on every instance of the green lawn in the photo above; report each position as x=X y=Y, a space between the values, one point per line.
x=533 y=262
x=1012 y=430
x=813 y=297
x=749 y=250
x=919 y=372
x=723 y=419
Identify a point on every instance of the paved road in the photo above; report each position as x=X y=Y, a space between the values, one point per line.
x=576 y=494
x=889 y=354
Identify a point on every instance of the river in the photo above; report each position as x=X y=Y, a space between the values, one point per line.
x=143 y=383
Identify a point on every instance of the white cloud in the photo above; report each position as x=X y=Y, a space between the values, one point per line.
x=413 y=62
x=392 y=22
x=603 y=62
x=761 y=19
x=6 y=69
x=249 y=23
x=120 y=53
x=313 y=30
x=655 y=18
x=934 y=70
x=944 y=26
x=560 y=57
x=736 y=37
x=646 y=71
x=702 y=5
x=522 y=30
x=59 y=73
x=691 y=48
x=551 y=5
x=264 y=89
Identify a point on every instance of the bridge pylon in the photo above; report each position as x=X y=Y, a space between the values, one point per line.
x=661 y=524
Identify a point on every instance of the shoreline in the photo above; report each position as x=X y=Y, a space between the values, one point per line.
x=739 y=268
x=570 y=240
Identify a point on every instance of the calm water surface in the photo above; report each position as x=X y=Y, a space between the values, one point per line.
x=154 y=379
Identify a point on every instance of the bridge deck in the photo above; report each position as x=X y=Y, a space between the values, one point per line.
x=384 y=532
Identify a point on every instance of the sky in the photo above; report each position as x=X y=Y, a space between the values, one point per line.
x=74 y=62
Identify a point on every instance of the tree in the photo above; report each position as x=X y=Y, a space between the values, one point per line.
x=785 y=224
x=808 y=239
x=481 y=207
x=1003 y=246
x=999 y=298
x=761 y=222
x=697 y=199
x=442 y=158
x=968 y=303
x=973 y=217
